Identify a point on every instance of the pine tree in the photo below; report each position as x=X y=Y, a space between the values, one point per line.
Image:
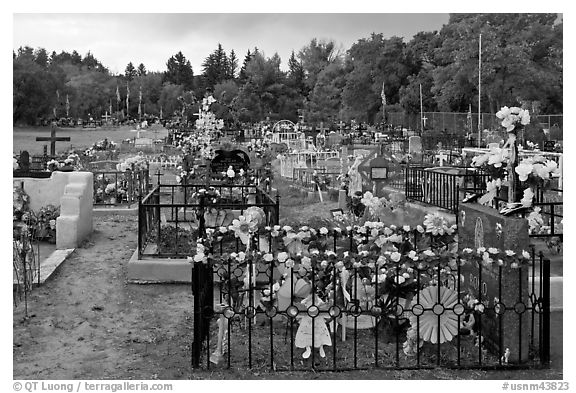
x=141 y=70
x=242 y=77
x=179 y=71
x=130 y=71
x=232 y=65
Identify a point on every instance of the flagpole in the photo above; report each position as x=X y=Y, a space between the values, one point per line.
x=479 y=91
x=421 y=112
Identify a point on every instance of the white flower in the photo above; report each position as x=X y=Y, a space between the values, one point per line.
x=395 y=256
x=289 y=263
x=435 y=224
x=395 y=239
x=306 y=261
x=468 y=250
x=420 y=228
x=525 y=254
x=406 y=275
x=413 y=255
x=406 y=228
x=503 y=112
x=527 y=199
x=493 y=250
x=282 y=257
x=429 y=253
x=286 y=228
x=190 y=259
x=481 y=250
x=324 y=263
x=510 y=253
x=323 y=231
x=399 y=279
x=199 y=257
x=275 y=287
x=268 y=257
x=497 y=159
x=523 y=170
x=230 y=172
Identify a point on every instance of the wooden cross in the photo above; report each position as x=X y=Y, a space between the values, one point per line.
x=441 y=157
x=106 y=116
x=341 y=125
x=53 y=139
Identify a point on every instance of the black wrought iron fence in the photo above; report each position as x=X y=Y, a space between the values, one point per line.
x=172 y=217
x=341 y=309
x=443 y=187
x=113 y=188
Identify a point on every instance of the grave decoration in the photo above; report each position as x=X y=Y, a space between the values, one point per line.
x=391 y=266
x=530 y=173
x=41 y=224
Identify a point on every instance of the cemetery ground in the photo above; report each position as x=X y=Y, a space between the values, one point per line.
x=87 y=322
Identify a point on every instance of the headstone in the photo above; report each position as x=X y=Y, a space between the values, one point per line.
x=24 y=161
x=344 y=162
x=415 y=145
x=482 y=226
x=223 y=159
x=441 y=158
x=333 y=139
x=494 y=145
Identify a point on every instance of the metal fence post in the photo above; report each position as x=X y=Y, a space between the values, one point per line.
x=545 y=345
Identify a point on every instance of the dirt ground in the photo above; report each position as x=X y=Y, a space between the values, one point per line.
x=86 y=322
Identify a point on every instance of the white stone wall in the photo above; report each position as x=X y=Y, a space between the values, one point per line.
x=73 y=192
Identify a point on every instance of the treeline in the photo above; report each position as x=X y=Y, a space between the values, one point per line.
x=521 y=65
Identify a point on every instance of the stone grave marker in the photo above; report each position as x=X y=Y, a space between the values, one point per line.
x=333 y=138
x=482 y=226
x=223 y=159
x=24 y=162
x=415 y=146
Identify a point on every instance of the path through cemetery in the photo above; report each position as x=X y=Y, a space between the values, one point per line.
x=87 y=322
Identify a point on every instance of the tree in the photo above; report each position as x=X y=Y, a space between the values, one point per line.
x=130 y=72
x=179 y=71
x=315 y=57
x=232 y=65
x=215 y=67
x=242 y=76
x=324 y=101
x=141 y=70
x=296 y=75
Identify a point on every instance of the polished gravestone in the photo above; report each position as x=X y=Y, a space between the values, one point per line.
x=482 y=226
x=223 y=159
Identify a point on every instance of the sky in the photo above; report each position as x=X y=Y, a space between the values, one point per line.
x=152 y=38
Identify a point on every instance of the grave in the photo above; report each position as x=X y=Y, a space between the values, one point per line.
x=73 y=192
x=223 y=159
x=53 y=139
x=415 y=146
x=482 y=226
x=143 y=143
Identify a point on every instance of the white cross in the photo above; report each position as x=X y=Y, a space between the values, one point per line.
x=106 y=116
x=424 y=120
x=441 y=157
x=341 y=124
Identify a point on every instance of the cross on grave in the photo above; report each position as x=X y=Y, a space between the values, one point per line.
x=341 y=125
x=441 y=157
x=53 y=139
x=424 y=120
x=106 y=116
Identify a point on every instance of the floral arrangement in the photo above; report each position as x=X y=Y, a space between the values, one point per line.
x=513 y=117
x=20 y=203
x=111 y=189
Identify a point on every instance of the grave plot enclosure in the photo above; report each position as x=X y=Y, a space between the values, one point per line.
x=248 y=312
x=171 y=217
